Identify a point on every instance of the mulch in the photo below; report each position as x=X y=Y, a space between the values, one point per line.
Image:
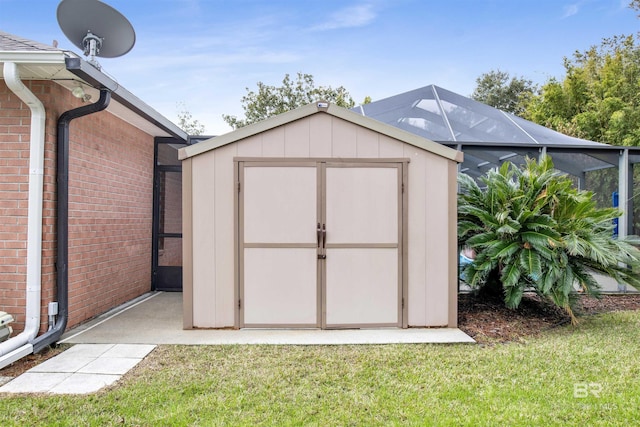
x=489 y=321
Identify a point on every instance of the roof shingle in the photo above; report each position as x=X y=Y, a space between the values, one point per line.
x=12 y=43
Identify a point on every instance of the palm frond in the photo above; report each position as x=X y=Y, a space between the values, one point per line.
x=530 y=262
x=511 y=275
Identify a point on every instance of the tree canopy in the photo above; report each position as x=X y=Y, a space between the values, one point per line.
x=268 y=101
x=498 y=89
x=598 y=98
x=187 y=123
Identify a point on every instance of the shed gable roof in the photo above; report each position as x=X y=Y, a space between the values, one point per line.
x=320 y=108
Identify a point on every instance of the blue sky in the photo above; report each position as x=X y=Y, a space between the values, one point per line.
x=204 y=53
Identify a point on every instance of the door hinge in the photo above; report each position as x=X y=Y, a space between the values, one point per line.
x=238 y=186
x=239 y=303
x=402 y=188
x=403 y=303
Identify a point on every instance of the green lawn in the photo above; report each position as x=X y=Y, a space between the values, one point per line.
x=587 y=376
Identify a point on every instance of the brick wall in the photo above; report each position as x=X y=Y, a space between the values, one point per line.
x=110 y=198
x=14 y=173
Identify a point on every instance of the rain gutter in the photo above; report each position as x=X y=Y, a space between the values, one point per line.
x=19 y=346
x=62 y=174
x=97 y=79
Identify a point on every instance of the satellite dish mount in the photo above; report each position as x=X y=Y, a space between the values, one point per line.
x=96 y=28
x=92 y=45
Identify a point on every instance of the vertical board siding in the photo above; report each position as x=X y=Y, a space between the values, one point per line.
x=343 y=139
x=418 y=238
x=224 y=237
x=453 y=244
x=320 y=131
x=272 y=144
x=391 y=148
x=187 y=244
x=437 y=250
x=204 y=252
x=367 y=145
x=296 y=139
x=250 y=147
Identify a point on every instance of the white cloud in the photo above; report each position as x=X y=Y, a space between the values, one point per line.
x=350 y=17
x=571 y=9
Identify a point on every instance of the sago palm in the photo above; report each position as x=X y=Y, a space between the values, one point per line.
x=530 y=229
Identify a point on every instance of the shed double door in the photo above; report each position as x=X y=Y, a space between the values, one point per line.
x=320 y=244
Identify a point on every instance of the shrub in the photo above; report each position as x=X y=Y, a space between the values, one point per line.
x=531 y=229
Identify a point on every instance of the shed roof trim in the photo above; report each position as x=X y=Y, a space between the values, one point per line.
x=319 y=108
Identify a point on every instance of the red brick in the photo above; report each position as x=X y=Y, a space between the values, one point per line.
x=111 y=169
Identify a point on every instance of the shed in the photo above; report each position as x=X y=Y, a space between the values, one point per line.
x=319 y=218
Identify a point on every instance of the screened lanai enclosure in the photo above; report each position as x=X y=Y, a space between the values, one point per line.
x=489 y=137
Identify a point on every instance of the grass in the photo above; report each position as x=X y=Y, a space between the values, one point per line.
x=585 y=375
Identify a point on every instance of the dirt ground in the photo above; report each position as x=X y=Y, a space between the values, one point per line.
x=29 y=362
x=488 y=322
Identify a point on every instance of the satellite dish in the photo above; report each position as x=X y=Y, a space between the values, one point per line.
x=96 y=28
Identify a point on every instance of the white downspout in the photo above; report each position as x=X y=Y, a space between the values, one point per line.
x=17 y=347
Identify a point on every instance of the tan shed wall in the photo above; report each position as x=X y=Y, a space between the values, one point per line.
x=187 y=244
x=210 y=294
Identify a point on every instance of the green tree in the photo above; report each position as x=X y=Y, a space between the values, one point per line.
x=598 y=99
x=498 y=89
x=530 y=228
x=187 y=123
x=269 y=101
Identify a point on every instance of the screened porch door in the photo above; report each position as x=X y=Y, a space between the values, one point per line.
x=320 y=244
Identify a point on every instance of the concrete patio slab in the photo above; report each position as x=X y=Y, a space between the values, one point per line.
x=84 y=383
x=63 y=363
x=157 y=319
x=109 y=366
x=91 y=351
x=35 y=382
x=129 y=351
x=82 y=369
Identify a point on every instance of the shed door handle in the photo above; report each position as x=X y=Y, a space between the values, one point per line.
x=324 y=236
x=318 y=234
